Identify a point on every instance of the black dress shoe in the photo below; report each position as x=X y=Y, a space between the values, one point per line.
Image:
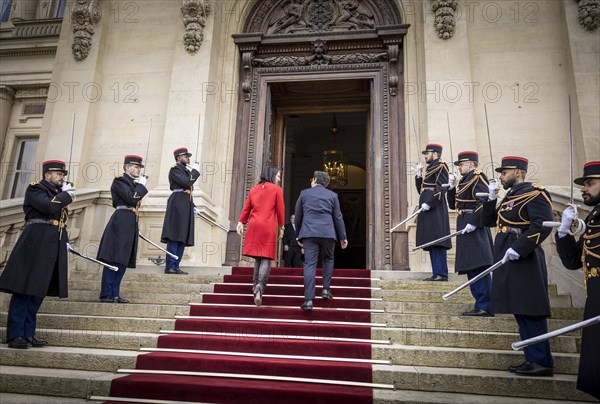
x=121 y=300
x=171 y=271
x=107 y=300
x=180 y=272
x=36 y=343
x=307 y=305
x=326 y=294
x=477 y=313
x=18 y=343
x=437 y=278
x=512 y=368
x=535 y=369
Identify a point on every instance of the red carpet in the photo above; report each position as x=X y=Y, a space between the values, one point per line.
x=228 y=322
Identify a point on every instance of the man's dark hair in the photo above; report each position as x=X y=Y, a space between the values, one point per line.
x=322 y=178
x=268 y=174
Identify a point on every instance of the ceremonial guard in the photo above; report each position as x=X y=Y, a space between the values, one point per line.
x=520 y=285
x=119 y=242
x=292 y=253
x=178 y=227
x=586 y=253
x=37 y=266
x=433 y=221
x=474 y=246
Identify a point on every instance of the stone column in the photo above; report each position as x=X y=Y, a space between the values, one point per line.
x=7 y=97
x=23 y=10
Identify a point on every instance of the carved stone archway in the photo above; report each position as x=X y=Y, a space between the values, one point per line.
x=301 y=40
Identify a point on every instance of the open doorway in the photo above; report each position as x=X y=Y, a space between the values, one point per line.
x=307 y=136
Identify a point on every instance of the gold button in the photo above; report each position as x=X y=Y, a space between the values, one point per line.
x=587 y=242
x=590 y=230
x=588 y=264
x=591 y=221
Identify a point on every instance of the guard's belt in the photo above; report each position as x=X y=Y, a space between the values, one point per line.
x=428 y=188
x=126 y=208
x=461 y=211
x=52 y=222
x=187 y=191
x=508 y=229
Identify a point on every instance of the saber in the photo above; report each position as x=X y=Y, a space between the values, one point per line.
x=439 y=240
x=416 y=138
x=406 y=220
x=577 y=226
x=85 y=257
x=147 y=147
x=571 y=151
x=478 y=277
x=487 y=125
x=450 y=139
x=544 y=337
x=198 y=135
x=71 y=148
x=157 y=246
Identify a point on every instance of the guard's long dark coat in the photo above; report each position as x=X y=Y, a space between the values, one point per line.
x=574 y=256
x=473 y=250
x=179 y=217
x=434 y=223
x=120 y=239
x=521 y=286
x=37 y=265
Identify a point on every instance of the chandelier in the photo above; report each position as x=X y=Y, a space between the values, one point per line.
x=334 y=161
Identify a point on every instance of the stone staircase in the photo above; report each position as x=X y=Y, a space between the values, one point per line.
x=437 y=356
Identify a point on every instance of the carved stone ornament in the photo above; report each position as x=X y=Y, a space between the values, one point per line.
x=319 y=56
x=444 y=17
x=589 y=14
x=85 y=14
x=294 y=16
x=194 y=18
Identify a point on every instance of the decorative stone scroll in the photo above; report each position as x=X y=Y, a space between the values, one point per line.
x=319 y=56
x=444 y=17
x=85 y=14
x=194 y=18
x=589 y=14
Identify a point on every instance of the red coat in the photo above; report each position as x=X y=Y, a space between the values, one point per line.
x=263 y=211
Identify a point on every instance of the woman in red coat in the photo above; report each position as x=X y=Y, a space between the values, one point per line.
x=263 y=212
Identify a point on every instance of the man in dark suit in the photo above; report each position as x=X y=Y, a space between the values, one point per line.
x=319 y=223
x=292 y=253
x=178 y=226
x=119 y=242
x=433 y=221
x=37 y=266
x=585 y=253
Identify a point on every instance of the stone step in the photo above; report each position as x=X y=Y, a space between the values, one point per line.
x=11 y=398
x=114 y=310
x=134 y=297
x=499 y=323
x=446 y=308
x=55 y=382
x=464 y=296
x=434 y=286
x=196 y=275
x=60 y=357
x=442 y=356
x=465 y=339
x=131 y=341
x=381 y=396
x=492 y=382
x=146 y=287
x=101 y=323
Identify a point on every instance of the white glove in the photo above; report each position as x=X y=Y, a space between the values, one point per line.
x=196 y=166
x=493 y=190
x=468 y=228
x=419 y=170
x=567 y=218
x=66 y=186
x=69 y=248
x=511 y=255
x=196 y=211
x=425 y=207
x=142 y=180
x=451 y=180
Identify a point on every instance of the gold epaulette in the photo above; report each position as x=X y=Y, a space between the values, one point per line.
x=476 y=172
x=174 y=165
x=537 y=186
x=33 y=183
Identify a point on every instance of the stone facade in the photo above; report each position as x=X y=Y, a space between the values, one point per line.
x=520 y=59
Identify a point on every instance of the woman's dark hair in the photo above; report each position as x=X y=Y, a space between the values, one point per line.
x=268 y=174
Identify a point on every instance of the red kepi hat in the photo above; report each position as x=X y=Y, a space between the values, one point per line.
x=54 y=165
x=513 y=162
x=590 y=170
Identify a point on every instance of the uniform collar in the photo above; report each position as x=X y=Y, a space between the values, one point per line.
x=50 y=186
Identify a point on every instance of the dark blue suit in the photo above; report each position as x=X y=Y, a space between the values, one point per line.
x=319 y=223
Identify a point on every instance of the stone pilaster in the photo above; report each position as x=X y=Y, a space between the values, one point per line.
x=7 y=97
